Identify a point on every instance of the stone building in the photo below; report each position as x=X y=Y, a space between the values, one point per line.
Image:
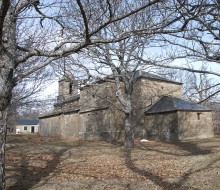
x=172 y=118
x=91 y=110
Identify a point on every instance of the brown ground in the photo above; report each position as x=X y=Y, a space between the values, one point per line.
x=53 y=164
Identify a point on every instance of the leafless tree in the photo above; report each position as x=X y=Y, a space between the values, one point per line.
x=122 y=59
x=31 y=29
x=197 y=87
x=202 y=39
x=199 y=42
x=27 y=99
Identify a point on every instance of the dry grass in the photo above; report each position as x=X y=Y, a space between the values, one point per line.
x=39 y=163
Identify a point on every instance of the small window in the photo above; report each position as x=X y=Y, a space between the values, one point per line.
x=198 y=116
x=70 y=88
x=25 y=128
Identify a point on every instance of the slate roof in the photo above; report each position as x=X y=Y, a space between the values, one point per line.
x=27 y=122
x=169 y=103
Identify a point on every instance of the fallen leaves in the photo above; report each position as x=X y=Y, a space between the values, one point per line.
x=161 y=165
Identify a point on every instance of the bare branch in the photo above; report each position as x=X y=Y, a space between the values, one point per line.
x=85 y=21
x=34 y=69
x=4 y=6
x=213 y=94
x=178 y=67
x=124 y=16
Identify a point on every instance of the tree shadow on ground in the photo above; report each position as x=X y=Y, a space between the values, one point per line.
x=31 y=175
x=27 y=175
x=185 y=148
x=160 y=181
x=192 y=148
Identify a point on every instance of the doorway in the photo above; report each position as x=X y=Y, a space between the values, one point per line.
x=32 y=129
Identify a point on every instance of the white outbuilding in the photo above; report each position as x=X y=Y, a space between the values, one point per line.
x=25 y=126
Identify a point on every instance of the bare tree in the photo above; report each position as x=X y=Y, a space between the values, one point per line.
x=31 y=29
x=27 y=99
x=202 y=40
x=197 y=87
x=199 y=42
x=119 y=59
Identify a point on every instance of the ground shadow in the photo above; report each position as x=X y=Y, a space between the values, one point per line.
x=25 y=176
x=192 y=148
x=186 y=148
x=30 y=176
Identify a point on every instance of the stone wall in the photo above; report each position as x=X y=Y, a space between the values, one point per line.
x=194 y=125
x=66 y=105
x=95 y=96
x=70 y=126
x=146 y=93
x=151 y=90
x=50 y=126
x=179 y=125
x=106 y=123
x=162 y=126
x=67 y=89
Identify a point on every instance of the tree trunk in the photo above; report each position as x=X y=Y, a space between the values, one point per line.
x=129 y=132
x=7 y=67
x=6 y=86
x=3 y=122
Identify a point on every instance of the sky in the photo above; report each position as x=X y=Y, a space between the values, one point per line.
x=52 y=88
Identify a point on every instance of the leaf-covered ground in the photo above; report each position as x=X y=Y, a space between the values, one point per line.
x=39 y=163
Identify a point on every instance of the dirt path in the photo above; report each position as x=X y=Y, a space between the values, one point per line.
x=54 y=164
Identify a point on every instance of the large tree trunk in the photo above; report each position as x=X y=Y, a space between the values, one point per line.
x=3 y=123
x=7 y=67
x=6 y=86
x=129 y=132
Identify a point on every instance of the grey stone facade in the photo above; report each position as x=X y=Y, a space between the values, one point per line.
x=176 y=119
x=86 y=113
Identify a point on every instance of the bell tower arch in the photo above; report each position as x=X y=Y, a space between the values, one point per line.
x=68 y=87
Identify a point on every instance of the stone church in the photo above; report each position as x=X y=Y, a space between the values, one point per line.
x=158 y=107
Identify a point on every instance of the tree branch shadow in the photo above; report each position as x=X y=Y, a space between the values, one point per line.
x=192 y=148
x=189 y=148
x=158 y=180
x=32 y=175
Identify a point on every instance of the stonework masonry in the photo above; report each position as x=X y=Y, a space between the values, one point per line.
x=85 y=113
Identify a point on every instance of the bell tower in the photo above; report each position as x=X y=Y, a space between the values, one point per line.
x=68 y=87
